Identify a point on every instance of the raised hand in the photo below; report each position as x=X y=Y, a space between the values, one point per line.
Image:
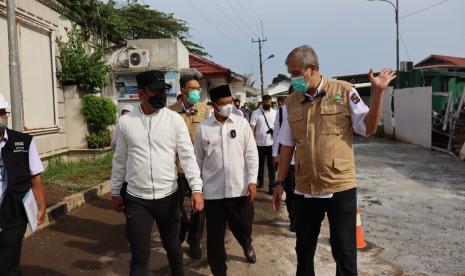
x=381 y=82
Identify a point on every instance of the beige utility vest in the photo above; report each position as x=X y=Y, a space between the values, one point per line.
x=198 y=113
x=323 y=136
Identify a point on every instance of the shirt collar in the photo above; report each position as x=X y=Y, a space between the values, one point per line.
x=5 y=136
x=231 y=119
x=191 y=110
x=319 y=89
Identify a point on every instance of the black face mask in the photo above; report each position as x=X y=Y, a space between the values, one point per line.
x=158 y=101
x=266 y=106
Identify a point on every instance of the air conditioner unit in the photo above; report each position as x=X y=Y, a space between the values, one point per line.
x=138 y=58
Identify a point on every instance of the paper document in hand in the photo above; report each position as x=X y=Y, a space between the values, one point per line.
x=30 y=205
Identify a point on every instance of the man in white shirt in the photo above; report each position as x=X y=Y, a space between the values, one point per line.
x=289 y=183
x=227 y=155
x=262 y=122
x=322 y=116
x=20 y=169
x=125 y=110
x=145 y=156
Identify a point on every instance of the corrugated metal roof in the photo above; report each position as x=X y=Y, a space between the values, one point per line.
x=205 y=66
x=437 y=61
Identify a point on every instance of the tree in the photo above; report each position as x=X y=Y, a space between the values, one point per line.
x=117 y=24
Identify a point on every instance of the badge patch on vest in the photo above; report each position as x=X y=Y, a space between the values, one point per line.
x=337 y=99
x=355 y=98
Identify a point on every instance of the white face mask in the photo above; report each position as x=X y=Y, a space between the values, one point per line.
x=225 y=110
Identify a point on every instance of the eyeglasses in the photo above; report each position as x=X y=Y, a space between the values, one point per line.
x=2 y=113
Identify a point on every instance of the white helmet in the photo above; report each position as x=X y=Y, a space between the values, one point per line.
x=3 y=103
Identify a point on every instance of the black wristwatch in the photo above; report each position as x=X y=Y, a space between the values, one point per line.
x=279 y=183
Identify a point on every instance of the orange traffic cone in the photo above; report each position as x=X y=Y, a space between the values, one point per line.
x=361 y=244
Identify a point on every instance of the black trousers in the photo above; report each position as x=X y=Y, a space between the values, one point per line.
x=266 y=153
x=193 y=226
x=140 y=214
x=289 y=187
x=341 y=211
x=10 y=250
x=238 y=212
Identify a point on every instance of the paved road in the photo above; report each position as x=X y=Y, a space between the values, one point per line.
x=413 y=203
x=413 y=214
x=90 y=241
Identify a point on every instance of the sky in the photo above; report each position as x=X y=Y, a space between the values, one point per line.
x=349 y=36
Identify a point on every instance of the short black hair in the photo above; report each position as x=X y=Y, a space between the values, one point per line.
x=237 y=100
x=185 y=78
x=266 y=97
x=281 y=99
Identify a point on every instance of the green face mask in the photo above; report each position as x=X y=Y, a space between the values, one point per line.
x=299 y=84
x=194 y=96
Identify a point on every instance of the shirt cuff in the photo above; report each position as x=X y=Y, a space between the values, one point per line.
x=115 y=189
x=252 y=179
x=196 y=188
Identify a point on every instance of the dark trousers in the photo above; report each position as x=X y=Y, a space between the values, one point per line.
x=341 y=211
x=238 y=212
x=140 y=214
x=193 y=226
x=10 y=250
x=289 y=187
x=266 y=153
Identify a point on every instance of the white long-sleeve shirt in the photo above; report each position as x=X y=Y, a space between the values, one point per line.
x=258 y=121
x=145 y=154
x=276 y=129
x=227 y=156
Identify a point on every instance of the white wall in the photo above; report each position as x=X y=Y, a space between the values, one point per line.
x=413 y=108
x=388 y=120
x=164 y=53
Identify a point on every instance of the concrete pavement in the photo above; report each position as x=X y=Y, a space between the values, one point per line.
x=413 y=215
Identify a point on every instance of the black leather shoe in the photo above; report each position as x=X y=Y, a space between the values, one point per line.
x=195 y=252
x=249 y=254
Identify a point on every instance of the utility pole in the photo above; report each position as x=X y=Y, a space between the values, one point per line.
x=260 y=45
x=396 y=9
x=16 y=90
x=397 y=44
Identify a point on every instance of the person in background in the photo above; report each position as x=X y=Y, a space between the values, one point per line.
x=125 y=110
x=193 y=112
x=237 y=103
x=262 y=122
x=246 y=111
x=289 y=182
x=20 y=169
x=150 y=138
x=227 y=155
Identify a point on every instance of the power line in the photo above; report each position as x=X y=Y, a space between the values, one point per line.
x=424 y=9
x=213 y=25
x=230 y=19
x=238 y=15
x=405 y=46
x=247 y=14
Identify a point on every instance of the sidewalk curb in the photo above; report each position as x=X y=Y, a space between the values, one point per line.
x=70 y=203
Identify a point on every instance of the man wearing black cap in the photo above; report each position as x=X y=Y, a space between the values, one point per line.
x=145 y=155
x=227 y=155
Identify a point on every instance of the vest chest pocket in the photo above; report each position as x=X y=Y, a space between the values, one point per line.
x=332 y=119
x=297 y=123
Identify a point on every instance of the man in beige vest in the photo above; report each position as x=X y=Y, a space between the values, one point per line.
x=322 y=116
x=193 y=112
